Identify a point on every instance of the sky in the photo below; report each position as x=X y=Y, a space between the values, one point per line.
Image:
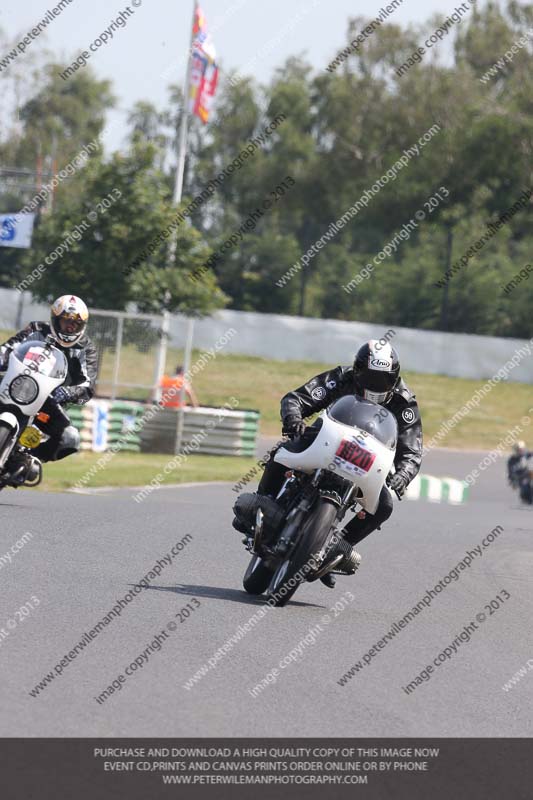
x=148 y=53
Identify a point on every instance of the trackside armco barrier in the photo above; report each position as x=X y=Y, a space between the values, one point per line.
x=234 y=435
x=107 y=424
x=104 y=423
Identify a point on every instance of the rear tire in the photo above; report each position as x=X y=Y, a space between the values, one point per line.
x=257 y=577
x=291 y=573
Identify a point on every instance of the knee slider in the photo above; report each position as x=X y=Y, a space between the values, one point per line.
x=385 y=508
x=69 y=443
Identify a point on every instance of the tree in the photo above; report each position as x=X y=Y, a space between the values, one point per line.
x=110 y=264
x=53 y=125
x=63 y=116
x=342 y=130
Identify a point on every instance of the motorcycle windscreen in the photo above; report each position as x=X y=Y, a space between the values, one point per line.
x=42 y=358
x=370 y=417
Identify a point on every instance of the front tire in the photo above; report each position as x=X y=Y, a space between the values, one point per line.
x=293 y=571
x=526 y=493
x=257 y=577
x=6 y=439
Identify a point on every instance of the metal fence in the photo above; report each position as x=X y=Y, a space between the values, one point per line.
x=132 y=347
x=132 y=351
x=132 y=355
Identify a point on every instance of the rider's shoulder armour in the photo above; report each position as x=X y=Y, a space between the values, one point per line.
x=403 y=390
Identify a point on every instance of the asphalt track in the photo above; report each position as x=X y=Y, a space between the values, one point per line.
x=89 y=550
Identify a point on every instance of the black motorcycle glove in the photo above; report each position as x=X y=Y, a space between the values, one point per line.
x=60 y=396
x=398 y=483
x=293 y=426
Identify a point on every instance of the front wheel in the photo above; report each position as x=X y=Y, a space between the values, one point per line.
x=526 y=493
x=6 y=443
x=257 y=577
x=295 y=569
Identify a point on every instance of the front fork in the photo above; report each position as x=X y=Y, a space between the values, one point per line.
x=296 y=516
x=8 y=420
x=330 y=548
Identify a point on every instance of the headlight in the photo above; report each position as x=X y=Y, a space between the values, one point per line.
x=24 y=390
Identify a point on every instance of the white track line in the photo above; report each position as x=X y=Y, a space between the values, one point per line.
x=109 y=489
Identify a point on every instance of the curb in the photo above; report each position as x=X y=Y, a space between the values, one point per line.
x=438 y=490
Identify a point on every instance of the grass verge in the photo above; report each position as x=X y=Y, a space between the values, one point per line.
x=260 y=383
x=133 y=469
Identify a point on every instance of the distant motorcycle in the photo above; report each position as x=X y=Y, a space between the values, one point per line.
x=522 y=479
x=296 y=537
x=34 y=370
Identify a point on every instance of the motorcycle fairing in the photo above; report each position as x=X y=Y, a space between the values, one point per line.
x=349 y=452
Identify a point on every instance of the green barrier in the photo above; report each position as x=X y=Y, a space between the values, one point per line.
x=106 y=423
x=204 y=431
x=438 y=490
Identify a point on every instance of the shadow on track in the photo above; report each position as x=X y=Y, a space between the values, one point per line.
x=219 y=593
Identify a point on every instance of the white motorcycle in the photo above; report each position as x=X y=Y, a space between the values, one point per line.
x=34 y=370
x=296 y=537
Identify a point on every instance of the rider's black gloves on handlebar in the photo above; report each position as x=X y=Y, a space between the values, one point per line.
x=293 y=426
x=60 y=396
x=398 y=483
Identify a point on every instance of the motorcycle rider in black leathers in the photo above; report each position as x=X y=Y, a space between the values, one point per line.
x=374 y=376
x=518 y=471
x=516 y=463
x=68 y=322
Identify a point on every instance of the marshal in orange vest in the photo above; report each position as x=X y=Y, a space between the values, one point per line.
x=171 y=386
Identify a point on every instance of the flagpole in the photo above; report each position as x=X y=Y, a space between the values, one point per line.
x=178 y=192
x=182 y=146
